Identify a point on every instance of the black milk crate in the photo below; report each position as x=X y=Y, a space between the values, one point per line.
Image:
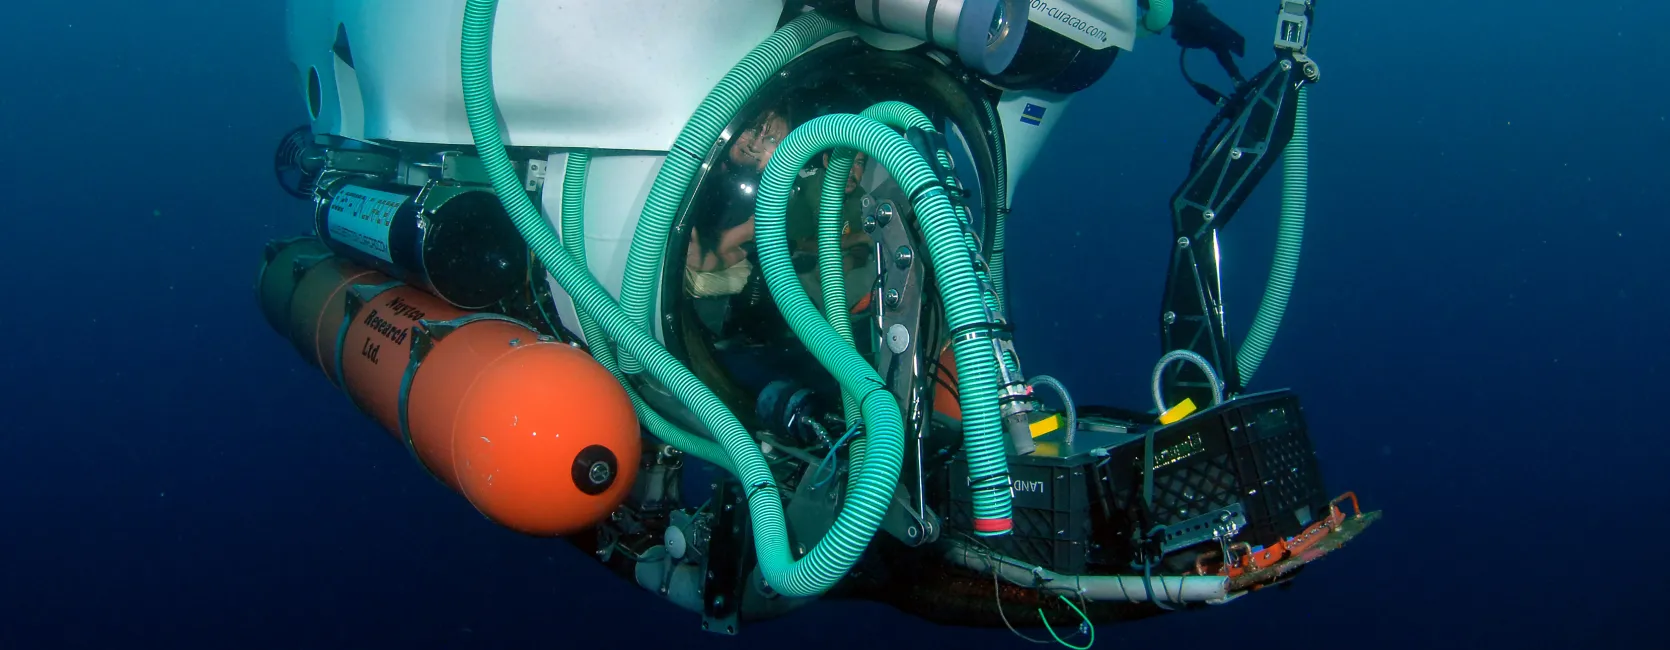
x=1051 y=511
x=1253 y=453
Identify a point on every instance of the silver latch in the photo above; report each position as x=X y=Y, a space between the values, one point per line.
x=1220 y=525
x=536 y=175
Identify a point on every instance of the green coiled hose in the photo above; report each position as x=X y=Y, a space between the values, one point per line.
x=835 y=554
x=1290 y=233
x=953 y=263
x=900 y=115
x=574 y=240
x=643 y=258
x=831 y=261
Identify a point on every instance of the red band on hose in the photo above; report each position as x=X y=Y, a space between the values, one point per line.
x=993 y=525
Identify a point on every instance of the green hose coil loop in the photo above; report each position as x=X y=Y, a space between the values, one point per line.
x=574 y=241
x=899 y=115
x=643 y=258
x=831 y=262
x=955 y=271
x=838 y=551
x=902 y=116
x=1289 y=235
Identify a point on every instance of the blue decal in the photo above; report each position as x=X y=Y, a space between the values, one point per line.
x=1033 y=114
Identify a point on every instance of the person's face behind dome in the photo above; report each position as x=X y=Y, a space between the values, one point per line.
x=857 y=173
x=753 y=148
x=854 y=175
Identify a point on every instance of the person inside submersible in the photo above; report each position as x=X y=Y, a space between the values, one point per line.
x=729 y=288
x=724 y=285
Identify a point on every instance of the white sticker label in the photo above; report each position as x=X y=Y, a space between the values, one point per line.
x=1074 y=23
x=361 y=217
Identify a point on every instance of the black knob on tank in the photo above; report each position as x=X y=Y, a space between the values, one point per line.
x=595 y=469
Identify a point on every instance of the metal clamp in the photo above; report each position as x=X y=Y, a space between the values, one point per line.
x=1293 y=20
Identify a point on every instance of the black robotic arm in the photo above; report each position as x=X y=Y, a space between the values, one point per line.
x=1248 y=134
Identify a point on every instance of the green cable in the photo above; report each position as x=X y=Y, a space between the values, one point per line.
x=836 y=553
x=1087 y=645
x=953 y=264
x=1290 y=233
x=574 y=240
x=644 y=257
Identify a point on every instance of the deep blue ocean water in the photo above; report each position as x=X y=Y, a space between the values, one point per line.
x=1477 y=332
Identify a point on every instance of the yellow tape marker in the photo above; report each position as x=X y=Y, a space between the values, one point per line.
x=1046 y=425
x=1182 y=410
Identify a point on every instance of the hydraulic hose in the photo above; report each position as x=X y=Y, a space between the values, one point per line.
x=953 y=264
x=902 y=116
x=834 y=555
x=574 y=241
x=643 y=258
x=1066 y=403
x=832 y=260
x=1191 y=357
x=831 y=202
x=1290 y=233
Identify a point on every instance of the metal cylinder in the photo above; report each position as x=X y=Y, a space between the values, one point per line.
x=985 y=34
x=455 y=242
x=785 y=406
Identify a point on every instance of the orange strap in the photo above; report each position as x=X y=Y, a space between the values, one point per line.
x=863 y=303
x=1250 y=561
